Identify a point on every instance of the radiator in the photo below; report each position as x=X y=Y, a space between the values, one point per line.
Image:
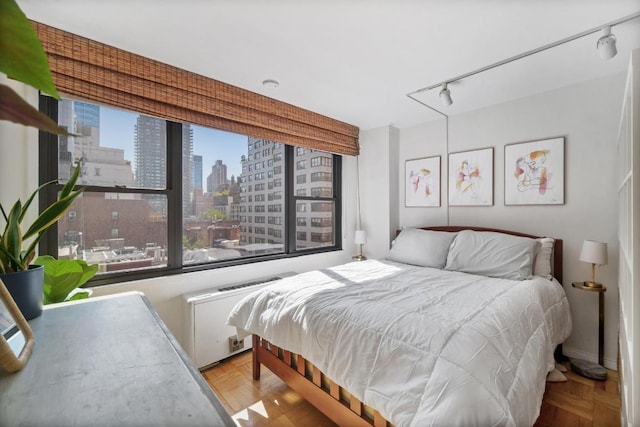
x=207 y=338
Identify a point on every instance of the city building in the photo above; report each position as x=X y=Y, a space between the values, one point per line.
x=197 y=172
x=217 y=180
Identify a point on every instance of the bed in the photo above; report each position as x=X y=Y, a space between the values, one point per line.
x=456 y=326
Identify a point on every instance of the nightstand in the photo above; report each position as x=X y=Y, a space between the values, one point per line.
x=583 y=367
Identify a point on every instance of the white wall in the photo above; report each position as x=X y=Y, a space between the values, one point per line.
x=19 y=177
x=378 y=188
x=18 y=144
x=587 y=115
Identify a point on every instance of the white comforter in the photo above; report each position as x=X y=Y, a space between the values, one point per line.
x=425 y=347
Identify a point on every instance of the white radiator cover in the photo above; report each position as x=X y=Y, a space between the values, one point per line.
x=204 y=319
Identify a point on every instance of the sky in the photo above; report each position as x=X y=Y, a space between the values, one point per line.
x=117 y=131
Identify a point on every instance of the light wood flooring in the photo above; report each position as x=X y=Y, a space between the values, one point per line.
x=269 y=402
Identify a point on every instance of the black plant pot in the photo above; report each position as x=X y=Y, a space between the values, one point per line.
x=25 y=288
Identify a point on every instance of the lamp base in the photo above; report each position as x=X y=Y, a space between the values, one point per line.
x=359 y=258
x=592 y=284
x=588 y=369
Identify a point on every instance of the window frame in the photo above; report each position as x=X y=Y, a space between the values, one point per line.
x=48 y=171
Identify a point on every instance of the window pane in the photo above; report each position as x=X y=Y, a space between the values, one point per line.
x=116 y=231
x=316 y=179
x=231 y=176
x=314 y=224
x=115 y=147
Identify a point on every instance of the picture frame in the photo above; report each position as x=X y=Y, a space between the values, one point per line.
x=422 y=182
x=534 y=172
x=471 y=178
x=16 y=337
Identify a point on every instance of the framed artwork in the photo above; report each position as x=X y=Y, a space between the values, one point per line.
x=422 y=182
x=471 y=178
x=534 y=172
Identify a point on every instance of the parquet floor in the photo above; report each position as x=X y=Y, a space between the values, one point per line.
x=269 y=402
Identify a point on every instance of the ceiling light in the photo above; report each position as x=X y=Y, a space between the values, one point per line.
x=607 y=44
x=445 y=95
x=270 y=83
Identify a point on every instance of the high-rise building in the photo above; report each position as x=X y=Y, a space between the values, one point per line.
x=104 y=166
x=87 y=114
x=151 y=160
x=217 y=180
x=197 y=172
x=261 y=204
x=150 y=155
x=187 y=171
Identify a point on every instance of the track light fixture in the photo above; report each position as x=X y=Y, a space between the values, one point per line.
x=606 y=47
x=606 y=44
x=445 y=95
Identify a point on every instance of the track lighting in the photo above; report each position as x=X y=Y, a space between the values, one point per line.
x=607 y=44
x=445 y=95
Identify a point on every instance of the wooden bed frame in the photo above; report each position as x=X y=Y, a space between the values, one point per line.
x=327 y=396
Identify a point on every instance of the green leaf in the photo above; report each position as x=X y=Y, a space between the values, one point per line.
x=26 y=205
x=80 y=294
x=15 y=109
x=61 y=277
x=68 y=187
x=43 y=260
x=12 y=238
x=23 y=57
x=51 y=215
x=88 y=271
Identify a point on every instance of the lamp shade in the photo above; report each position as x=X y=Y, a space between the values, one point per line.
x=445 y=96
x=606 y=44
x=360 y=237
x=594 y=252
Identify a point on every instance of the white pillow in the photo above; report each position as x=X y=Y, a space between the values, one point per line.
x=492 y=254
x=542 y=264
x=426 y=248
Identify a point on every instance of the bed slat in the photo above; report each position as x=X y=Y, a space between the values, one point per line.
x=334 y=390
x=317 y=376
x=329 y=403
x=356 y=405
x=302 y=369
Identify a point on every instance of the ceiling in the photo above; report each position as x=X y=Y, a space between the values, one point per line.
x=356 y=60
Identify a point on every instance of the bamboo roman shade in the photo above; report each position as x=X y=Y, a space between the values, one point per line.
x=111 y=76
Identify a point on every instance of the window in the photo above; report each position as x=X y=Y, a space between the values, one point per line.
x=321 y=191
x=321 y=161
x=321 y=222
x=322 y=237
x=301 y=164
x=301 y=179
x=315 y=201
x=321 y=176
x=205 y=223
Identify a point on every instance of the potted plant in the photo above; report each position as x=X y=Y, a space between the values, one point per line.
x=18 y=247
x=22 y=58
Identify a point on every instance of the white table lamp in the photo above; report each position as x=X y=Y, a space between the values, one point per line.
x=360 y=239
x=594 y=253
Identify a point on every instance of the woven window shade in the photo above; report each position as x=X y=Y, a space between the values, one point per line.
x=111 y=76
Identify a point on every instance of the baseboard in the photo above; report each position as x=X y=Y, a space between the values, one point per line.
x=591 y=357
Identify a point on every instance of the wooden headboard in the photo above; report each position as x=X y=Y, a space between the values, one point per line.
x=557 y=246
